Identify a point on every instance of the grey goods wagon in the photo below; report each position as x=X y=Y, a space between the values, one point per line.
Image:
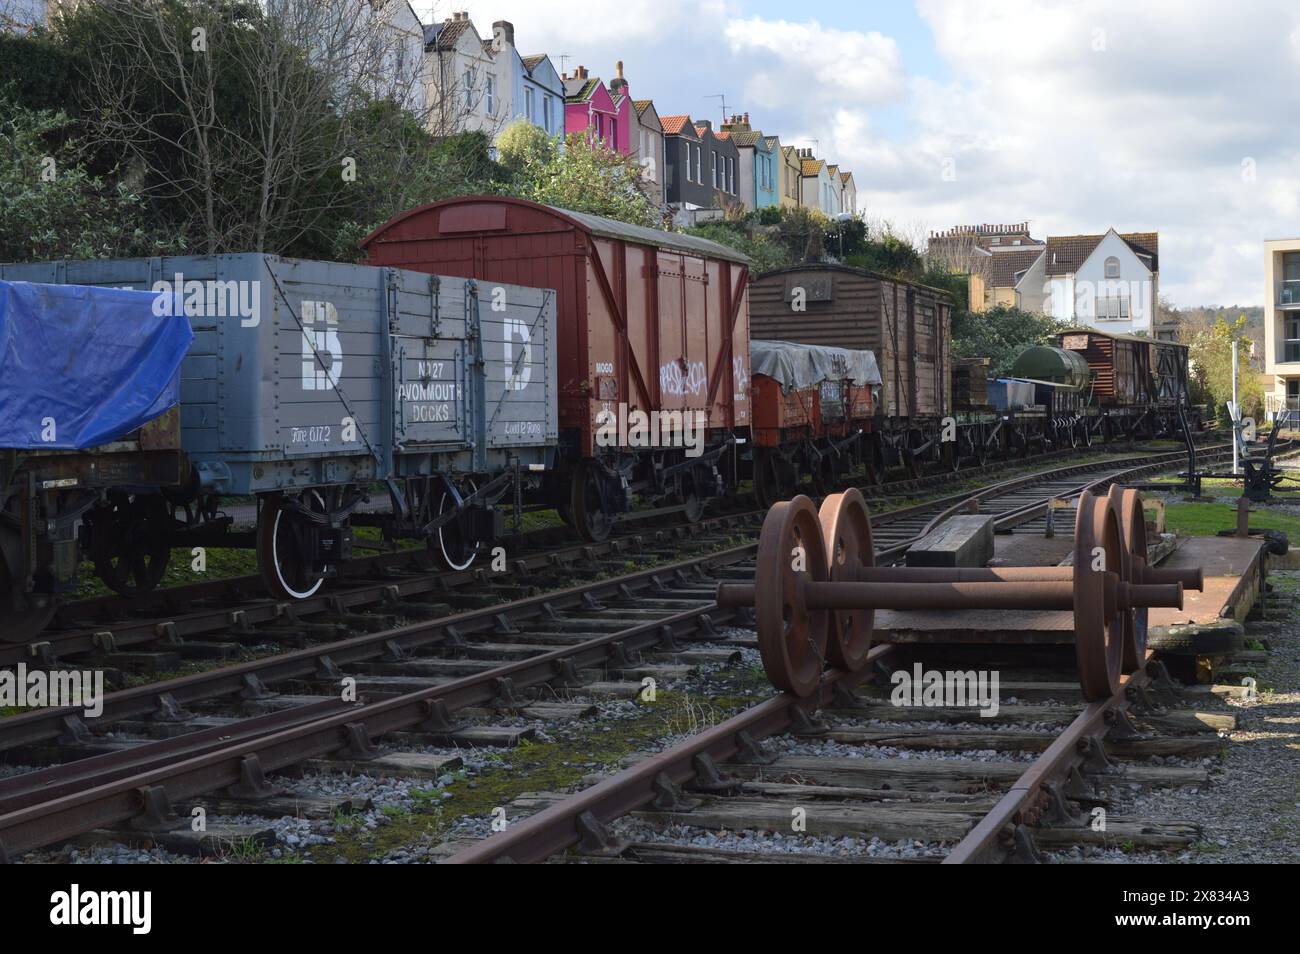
x=312 y=384
x=907 y=326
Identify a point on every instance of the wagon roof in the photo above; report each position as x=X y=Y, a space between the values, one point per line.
x=848 y=269
x=1082 y=330
x=592 y=224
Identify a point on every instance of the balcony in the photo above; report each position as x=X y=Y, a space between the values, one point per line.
x=1288 y=295
x=1290 y=351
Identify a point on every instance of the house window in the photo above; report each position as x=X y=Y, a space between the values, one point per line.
x=491 y=95
x=713 y=166
x=1291 y=343
x=1112 y=267
x=528 y=104
x=1112 y=308
x=546 y=113
x=731 y=175
x=469 y=89
x=1290 y=292
x=699 y=166
x=613 y=132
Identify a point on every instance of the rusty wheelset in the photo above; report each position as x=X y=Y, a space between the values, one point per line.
x=817 y=588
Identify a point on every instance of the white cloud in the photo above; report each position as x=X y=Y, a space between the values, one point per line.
x=1076 y=116
x=803 y=61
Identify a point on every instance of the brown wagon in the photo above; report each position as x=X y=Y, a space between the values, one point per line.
x=906 y=325
x=1138 y=383
x=649 y=322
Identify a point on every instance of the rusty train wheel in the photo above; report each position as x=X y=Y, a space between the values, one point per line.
x=846 y=533
x=1098 y=627
x=791 y=638
x=1133 y=524
x=767 y=478
x=23 y=616
x=590 y=518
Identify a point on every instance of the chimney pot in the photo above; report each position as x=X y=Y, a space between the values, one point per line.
x=618 y=69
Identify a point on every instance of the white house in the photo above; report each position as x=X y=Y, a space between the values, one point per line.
x=1108 y=281
x=470 y=80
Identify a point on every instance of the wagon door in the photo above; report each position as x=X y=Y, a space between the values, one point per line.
x=517 y=335
x=429 y=350
x=671 y=329
x=695 y=353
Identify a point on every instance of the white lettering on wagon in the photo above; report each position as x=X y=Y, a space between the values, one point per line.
x=519 y=371
x=322 y=353
x=680 y=378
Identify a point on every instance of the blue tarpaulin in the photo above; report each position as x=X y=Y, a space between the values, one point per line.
x=85 y=366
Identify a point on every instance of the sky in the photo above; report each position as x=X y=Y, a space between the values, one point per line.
x=1176 y=116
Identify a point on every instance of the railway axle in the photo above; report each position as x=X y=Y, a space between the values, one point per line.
x=817 y=589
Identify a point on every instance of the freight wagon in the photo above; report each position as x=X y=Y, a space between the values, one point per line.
x=307 y=385
x=907 y=326
x=652 y=326
x=1130 y=387
x=812 y=406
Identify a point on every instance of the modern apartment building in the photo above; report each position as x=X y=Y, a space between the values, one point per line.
x=1282 y=325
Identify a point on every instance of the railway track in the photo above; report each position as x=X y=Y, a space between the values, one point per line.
x=859 y=773
x=459 y=680
x=213 y=620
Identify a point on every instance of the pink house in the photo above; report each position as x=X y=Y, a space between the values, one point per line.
x=603 y=113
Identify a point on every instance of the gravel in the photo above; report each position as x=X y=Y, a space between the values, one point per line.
x=1250 y=811
x=775 y=843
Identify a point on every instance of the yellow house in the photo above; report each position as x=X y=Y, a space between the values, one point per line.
x=791 y=173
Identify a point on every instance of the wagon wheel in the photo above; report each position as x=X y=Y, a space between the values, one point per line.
x=791 y=638
x=979 y=447
x=591 y=517
x=287 y=573
x=23 y=616
x=873 y=458
x=826 y=473
x=768 y=485
x=846 y=533
x=1133 y=525
x=693 y=498
x=911 y=460
x=1099 y=561
x=951 y=454
x=130 y=543
x=454 y=542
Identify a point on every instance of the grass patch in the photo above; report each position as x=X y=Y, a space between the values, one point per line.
x=1207 y=519
x=538 y=767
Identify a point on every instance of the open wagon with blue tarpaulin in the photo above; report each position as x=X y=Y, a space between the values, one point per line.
x=311 y=386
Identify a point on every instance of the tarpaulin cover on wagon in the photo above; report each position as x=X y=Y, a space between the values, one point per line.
x=83 y=366
x=795 y=365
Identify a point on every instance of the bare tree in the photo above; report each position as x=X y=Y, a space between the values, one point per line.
x=248 y=114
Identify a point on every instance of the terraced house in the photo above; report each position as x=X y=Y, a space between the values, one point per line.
x=790 y=177
x=648 y=147
x=848 y=193
x=818 y=189
x=756 y=180
x=691 y=150
x=596 y=111
x=538 y=90
x=469 y=77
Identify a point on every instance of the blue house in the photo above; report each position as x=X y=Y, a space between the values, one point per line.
x=759 y=156
x=536 y=90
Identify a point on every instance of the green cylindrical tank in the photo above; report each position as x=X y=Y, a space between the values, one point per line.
x=1041 y=363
